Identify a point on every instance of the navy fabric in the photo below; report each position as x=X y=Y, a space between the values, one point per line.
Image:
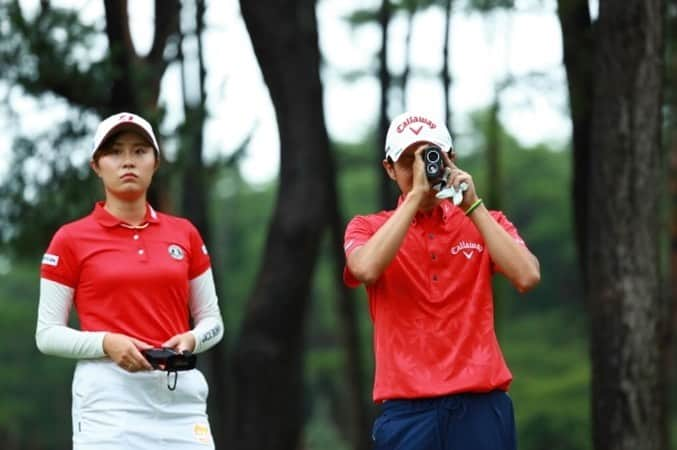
x=454 y=422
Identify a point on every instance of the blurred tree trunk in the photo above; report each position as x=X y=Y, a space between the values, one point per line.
x=267 y=398
x=446 y=72
x=671 y=354
x=194 y=176
x=577 y=38
x=135 y=82
x=621 y=229
x=195 y=196
x=358 y=410
x=387 y=193
x=671 y=94
x=410 y=6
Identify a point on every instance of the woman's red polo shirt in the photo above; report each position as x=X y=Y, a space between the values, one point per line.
x=133 y=281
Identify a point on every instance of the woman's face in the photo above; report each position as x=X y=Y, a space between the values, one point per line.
x=126 y=164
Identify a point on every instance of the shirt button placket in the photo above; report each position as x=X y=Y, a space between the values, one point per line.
x=140 y=250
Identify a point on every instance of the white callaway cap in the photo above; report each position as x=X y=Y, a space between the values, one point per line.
x=124 y=121
x=410 y=127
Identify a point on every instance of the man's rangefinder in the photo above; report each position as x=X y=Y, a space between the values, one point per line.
x=433 y=163
x=169 y=360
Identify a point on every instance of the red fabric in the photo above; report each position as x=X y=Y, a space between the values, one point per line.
x=120 y=289
x=432 y=308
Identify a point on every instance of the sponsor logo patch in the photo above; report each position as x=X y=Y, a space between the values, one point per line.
x=176 y=252
x=204 y=249
x=467 y=248
x=50 y=260
x=201 y=433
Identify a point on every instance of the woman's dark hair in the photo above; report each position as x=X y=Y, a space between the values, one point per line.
x=108 y=142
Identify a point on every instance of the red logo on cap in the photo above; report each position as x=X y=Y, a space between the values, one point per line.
x=126 y=117
x=414 y=119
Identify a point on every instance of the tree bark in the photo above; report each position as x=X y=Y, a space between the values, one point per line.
x=628 y=311
x=410 y=8
x=136 y=81
x=195 y=200
x=358 y=411
x=267 y=397
x=446 y=72
x=577 y=38
x=387 y=194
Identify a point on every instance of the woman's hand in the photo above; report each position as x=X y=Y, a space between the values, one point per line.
x=125 y=351
x=181 y=342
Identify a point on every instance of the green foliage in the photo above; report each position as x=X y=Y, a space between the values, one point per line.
x=240 y=214
x=52 y=51
x=489 y=5
x=34 y=389
x=45 y=189
x=547 y=353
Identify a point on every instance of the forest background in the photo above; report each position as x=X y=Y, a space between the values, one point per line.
x=591 y=348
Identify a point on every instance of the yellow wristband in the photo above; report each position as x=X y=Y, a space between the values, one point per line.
x=472 y=207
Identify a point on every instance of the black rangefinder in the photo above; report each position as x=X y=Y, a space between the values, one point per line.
x=169 y=360
x=433 y=162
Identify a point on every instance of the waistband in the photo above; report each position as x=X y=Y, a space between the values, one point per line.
x=450 y=401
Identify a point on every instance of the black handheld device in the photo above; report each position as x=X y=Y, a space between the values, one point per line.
x=434 y=165
x=170 y=360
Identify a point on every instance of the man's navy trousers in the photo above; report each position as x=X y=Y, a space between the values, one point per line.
x=483 y=421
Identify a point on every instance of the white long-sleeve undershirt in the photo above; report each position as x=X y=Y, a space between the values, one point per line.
x=53 y=336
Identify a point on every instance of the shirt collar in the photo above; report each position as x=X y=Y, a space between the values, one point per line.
x=442 y=211
x=106 y=219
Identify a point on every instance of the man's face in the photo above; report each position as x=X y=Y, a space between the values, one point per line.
x=402 y=170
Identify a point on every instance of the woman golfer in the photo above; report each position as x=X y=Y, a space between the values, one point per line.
x=138 y=279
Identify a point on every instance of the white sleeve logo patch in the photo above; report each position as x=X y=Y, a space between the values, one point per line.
x=50 y=260
x=204 y=249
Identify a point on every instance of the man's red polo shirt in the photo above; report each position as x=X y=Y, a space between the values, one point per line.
x=432 y=308
x=133 y=281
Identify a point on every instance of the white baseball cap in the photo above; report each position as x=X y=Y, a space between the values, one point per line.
x=124 y=121
x=411 y=127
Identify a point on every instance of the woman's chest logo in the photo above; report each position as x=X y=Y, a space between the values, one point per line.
x=176 y=252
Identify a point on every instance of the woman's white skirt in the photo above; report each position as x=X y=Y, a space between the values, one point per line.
x=115 y=409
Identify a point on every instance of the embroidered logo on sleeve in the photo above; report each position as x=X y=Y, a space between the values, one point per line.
x=348 y=245
x=50 y=260
x=211 y=334
x=204 y=249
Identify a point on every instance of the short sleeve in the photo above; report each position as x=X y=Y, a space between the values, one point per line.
x=509 y=227
x=59 y=263
x=357 y=234
x=199 y=257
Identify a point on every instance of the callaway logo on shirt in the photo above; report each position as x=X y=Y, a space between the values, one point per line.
x=467 y=248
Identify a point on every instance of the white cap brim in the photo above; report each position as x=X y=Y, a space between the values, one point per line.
x=121 y=122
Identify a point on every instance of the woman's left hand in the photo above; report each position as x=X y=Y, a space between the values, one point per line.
x=181 y=342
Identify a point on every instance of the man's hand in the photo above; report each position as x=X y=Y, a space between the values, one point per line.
x=125 y=351
x=420 y=188
x=457 y=177
x=181 y=342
